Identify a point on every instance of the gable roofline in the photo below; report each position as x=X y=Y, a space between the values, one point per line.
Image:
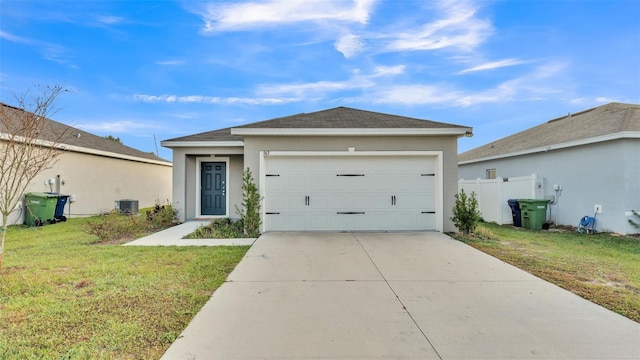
x=570 y=144
x=603 y=123
x=339 y=121
x=351 y=131
x=76 y=140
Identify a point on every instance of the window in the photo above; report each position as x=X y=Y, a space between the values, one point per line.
x=491 y=173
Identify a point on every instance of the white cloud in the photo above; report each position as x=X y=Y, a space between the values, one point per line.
x=252 y=14
x=171 y=62
x=349 y=45
x=493 y=65
x=201 y=99
x=109 y=20
x=458 y=27
x=603 y=99
x=118 y=126
x=388 y=70
x=51 y=52
x=14 y=38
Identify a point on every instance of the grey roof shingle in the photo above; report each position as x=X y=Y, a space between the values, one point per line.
x=603 y=120
x=347 y=118
x=72 y=136
x=215 y=135
x=336 y=118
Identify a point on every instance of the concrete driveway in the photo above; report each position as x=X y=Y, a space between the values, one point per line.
x=394 y=296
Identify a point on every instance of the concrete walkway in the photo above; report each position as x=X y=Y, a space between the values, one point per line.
x=173 y=237
x=394 y=296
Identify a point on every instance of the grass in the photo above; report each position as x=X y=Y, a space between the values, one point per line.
x=62 y=297
x=602 y=268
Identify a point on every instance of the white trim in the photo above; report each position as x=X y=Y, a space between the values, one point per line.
x=85 y=150
x=177 y=144
x=198 y=199
x=351 y=131
x=592 y=140
x=439 y=184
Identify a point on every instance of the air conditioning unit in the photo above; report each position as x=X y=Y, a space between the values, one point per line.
x=127 y=206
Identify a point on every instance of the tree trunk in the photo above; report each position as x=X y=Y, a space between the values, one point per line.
x=5 y=220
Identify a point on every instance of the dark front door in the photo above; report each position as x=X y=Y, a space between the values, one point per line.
x=213 y=188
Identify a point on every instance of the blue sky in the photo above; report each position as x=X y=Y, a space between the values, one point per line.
x=172 y=68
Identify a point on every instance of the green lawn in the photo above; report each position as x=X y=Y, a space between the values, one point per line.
x=63 y=297
x=602 y=268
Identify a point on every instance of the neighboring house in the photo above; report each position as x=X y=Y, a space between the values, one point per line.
x=98 y=172
x=582 y=160
x=339 y=169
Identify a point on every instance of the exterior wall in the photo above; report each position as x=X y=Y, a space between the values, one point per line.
x=98 y=181
x=186 y=173
x=604 y=173
x=447 y=144
x=630 y=182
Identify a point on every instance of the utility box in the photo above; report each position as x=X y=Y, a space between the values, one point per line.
x=40 y=208
x=127 y=206
x=534 y=213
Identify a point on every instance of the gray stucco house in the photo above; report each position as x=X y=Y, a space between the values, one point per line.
x=582 y=160
x=339 y=169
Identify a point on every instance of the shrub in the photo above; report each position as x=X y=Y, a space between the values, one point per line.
x=223 y=228
x=162 y=216
x=114 y=225
x=250 y=211
x=633 y=223
x=465 y=212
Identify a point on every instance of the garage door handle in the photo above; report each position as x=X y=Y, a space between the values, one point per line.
x=307 y=200
x=393 y=199
x=273 y=213
x=350 y=213
x=428 y=212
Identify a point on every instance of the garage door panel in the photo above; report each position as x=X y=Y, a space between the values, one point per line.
x=343 y=193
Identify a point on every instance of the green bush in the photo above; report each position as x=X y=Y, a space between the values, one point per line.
x=250 y=210
x=633 y=223
x=162 y=216
x=465 y=212
x=223 y=228
x=115 y=226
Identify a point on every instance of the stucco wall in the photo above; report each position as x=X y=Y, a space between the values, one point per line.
x=186 y=172
x=605 y=173
x=98 y=181
x=447 y=144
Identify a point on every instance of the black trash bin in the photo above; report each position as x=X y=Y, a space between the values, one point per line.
x=515 y=212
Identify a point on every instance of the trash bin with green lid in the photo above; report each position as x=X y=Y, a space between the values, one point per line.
x=533 y=212
x=40 y=208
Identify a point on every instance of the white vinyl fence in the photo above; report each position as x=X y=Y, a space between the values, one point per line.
x=492 y=195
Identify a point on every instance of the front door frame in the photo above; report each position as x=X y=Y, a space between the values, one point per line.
x=198 y=199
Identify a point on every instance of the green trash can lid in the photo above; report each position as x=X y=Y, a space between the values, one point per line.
x=40 y=195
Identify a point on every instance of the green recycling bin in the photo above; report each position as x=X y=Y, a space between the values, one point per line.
x=40 y=208
x=533 y=212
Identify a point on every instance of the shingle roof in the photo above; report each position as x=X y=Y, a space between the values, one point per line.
x=599 y=121
x=347 y=118
x=76 y=137
x=336 y=118
x=215 y=135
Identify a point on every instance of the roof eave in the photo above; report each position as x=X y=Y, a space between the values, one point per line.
x=569 y=144
x=186 y=143
x=351 y=131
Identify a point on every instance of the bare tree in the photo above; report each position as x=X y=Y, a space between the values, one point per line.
x=28 y=146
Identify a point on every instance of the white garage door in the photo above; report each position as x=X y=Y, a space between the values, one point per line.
x=343 y=193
